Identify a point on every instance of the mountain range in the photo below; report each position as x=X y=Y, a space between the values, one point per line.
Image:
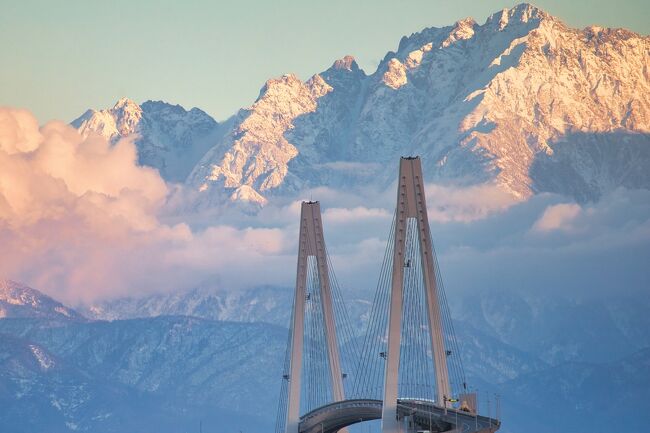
x=169 y=138
x=521 y=101
x=148 y=369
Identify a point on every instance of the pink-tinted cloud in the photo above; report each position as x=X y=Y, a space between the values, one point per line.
x=18 y=131
x=79 y=219
x=466 y=204
x=355 y=214
x=558 y=217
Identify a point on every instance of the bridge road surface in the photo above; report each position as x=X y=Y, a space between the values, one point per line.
x=333 y=417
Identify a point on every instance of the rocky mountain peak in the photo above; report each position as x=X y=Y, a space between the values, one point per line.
x=521 y=14
x=344 y=72
x=275 y=86
x=168 y=137
x=119 y=121
x=127 y=116
x=463 y=29
x=18 y=300
x=126 y=104
x=318 y=86
x=258 y=152
x=347 y=63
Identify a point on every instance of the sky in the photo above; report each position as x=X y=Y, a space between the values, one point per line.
x=61 y=58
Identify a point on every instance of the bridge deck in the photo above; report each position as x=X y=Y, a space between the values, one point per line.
x=335 y=416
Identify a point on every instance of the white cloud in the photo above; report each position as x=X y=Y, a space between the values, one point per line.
x=355 y=214
x=81 y=220
x=363 y=168
x=558 y=217
x=18 y=131
x=466 y=204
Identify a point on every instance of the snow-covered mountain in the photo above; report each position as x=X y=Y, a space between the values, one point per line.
x=18 y=300
x=259 y=304
x=162 y=374
x=505 y=333
x=521 y=100
x=168 y=137
x=166 y=372
x=265 y=304
x=579 y=397
x=558 y=329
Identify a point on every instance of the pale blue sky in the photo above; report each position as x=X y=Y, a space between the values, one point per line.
x=60 y=58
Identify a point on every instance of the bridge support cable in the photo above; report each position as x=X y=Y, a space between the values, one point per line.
x=281 y=416
x=347 y=337
x=458 y=380
x=368 y=380
x=316 y=390
x=416 y=365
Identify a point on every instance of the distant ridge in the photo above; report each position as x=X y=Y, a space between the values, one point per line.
x=20 y=301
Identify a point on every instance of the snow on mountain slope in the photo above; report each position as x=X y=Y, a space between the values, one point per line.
x=486 y=357
x=17 y=300
x=265 y=304
x=582 y=397
x=260 y=304
x=559 y=330
x=169 y=138
x=188 y=368
x=148 y=375
x=522 y=101
x=257 y=153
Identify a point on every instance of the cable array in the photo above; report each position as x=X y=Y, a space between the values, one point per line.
x=417 y=369
x=457 y=378
x=347 y=338
x=316 y=386
x=363 y=365
x=416 y=364
x=281 y=417
x=369 y=373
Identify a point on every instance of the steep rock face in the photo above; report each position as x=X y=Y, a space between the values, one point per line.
x=168 y=137
x=20 y=301
x=522 y=101
x=255 y=155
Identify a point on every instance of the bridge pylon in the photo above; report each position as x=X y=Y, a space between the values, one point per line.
x=311 y=243
x=411 y=204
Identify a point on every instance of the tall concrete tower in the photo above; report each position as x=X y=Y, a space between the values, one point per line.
x=411 y=203
x=311 y=243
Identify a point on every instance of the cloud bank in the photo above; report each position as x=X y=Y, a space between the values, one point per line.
x=80 y=220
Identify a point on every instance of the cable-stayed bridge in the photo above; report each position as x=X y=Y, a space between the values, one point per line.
x=407 y=369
